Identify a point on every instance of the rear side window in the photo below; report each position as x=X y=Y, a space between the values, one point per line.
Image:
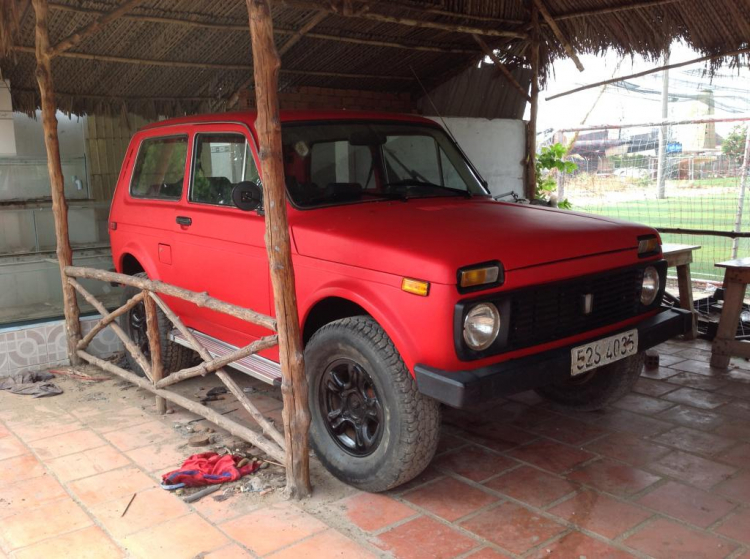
x=221 y=162
x=160 y=168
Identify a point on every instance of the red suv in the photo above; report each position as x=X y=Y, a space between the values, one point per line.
x=415 y=286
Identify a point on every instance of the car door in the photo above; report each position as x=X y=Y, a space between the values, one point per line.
x=221 y=249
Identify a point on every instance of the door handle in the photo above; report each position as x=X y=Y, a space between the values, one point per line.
x=184 y=220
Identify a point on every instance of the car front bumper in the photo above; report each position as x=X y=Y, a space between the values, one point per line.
x=464 y=389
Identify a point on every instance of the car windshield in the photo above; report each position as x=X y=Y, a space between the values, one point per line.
x=350 y=162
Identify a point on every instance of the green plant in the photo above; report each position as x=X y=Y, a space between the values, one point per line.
x=734 y=144
x=549 y=163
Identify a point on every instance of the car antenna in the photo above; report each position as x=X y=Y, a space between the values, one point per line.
x=434 y=107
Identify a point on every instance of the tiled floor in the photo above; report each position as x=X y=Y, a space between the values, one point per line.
x=665 y=473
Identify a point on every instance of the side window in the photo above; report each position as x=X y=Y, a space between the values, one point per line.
x=220 y=162
x=160 y=168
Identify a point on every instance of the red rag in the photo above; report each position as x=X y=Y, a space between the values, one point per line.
x=207 y=469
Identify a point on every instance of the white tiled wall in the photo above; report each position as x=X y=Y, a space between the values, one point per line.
x=41 y=346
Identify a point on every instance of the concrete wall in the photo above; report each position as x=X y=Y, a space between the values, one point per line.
x=496 y=147
x=30 y=136
x=7 y=134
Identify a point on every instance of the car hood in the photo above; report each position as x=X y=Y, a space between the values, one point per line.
x=432 y=238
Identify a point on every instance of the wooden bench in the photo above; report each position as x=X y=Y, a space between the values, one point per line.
x=736 y=279
x=680 y=257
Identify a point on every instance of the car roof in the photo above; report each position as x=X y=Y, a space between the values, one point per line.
x=248 y=117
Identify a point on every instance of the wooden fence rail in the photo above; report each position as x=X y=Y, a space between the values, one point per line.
x=271 y=441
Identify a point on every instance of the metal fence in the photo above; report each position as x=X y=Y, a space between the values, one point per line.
x=696 y=196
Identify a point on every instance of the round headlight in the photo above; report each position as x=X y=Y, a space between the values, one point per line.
x=481 y=326
x=650 y=287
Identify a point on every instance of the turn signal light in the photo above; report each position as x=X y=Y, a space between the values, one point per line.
x=479 y=276
x=648 y=245
x=415 y=287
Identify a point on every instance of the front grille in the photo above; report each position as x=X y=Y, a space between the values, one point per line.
x=550 y=312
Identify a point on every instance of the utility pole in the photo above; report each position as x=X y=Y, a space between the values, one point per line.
x=741 y=198
x=661 y=173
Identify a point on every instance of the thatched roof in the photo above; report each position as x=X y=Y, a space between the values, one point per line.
x=175 y=56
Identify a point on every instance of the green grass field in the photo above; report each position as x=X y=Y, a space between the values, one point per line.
x=691 y=210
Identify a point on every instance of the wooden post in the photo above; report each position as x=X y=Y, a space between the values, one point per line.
x=57 y=182
x=296 y=413
x=154 y=346
x=531 y=128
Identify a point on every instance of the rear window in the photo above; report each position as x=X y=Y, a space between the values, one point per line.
x=160 y=168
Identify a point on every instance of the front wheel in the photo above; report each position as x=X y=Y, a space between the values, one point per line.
x=370 y=426
x=597 y=389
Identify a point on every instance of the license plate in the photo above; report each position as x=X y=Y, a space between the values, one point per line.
x=603 y=352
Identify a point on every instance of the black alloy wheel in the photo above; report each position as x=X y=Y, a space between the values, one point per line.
x=351 y=407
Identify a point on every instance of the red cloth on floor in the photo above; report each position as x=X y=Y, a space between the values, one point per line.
x=209 y=468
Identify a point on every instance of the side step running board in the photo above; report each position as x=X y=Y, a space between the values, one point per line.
x=253 y=365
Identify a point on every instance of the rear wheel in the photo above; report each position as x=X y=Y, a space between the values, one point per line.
x=597 y=389
x=174 y=356
x=370 y=426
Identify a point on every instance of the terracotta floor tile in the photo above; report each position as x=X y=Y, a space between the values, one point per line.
x=23 y=467
x=700 y=382
x=652 y=387
x=499 y=436
x=693 y=470
x=87 y=463
x=229 y=552
x=551 y=456
x=613 y=477
x=576 y=545
x=738 y=456
x=121 y=418
x=699 y=367
x=474 y=463
x=628 y=448
x=703 y=420
x=600 y=513
x=42 y=429
x=660 y=373
x=141 y=435
x=691 y=440
x=737 y=526
x=321 y=546
x=11 y=446
x=735 y=390
x=53 y=519
x=694 y=353
x=425 y=538
x=3 y=431
x=429 y=474
x=664 y=539
x=628 y=422
x=371 y=511
x=89 y=543
x=218 y=511
x=110 y=485
x=66 y=443
x=181 y=538
x=449 y=441
x=487 y=553
x=569 y=431
x=268 y=530
x=697 y=398
x=734 y=429
x=513 y=527
x=736 y=488
x=531 y=486
x=149 y=508
x=518 y=415
x=449 y=498
x=738 y=410
x=160 y=455
x=637 y=403
x=25 y=495
x=687 y=503
x=669 y=360
x=529 y=397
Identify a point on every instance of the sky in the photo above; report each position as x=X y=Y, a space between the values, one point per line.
x=639 y=100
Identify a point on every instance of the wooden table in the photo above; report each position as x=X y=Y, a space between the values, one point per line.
x=736 y=279
x=680 y=257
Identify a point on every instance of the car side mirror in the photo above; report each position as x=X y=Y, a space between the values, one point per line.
x=247 y=196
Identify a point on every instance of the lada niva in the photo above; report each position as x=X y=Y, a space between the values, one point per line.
x=415 y=287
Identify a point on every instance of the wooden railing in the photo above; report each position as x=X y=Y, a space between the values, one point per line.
x=272 y=443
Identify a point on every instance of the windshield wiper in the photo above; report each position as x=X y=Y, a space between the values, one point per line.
x=417 y=182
